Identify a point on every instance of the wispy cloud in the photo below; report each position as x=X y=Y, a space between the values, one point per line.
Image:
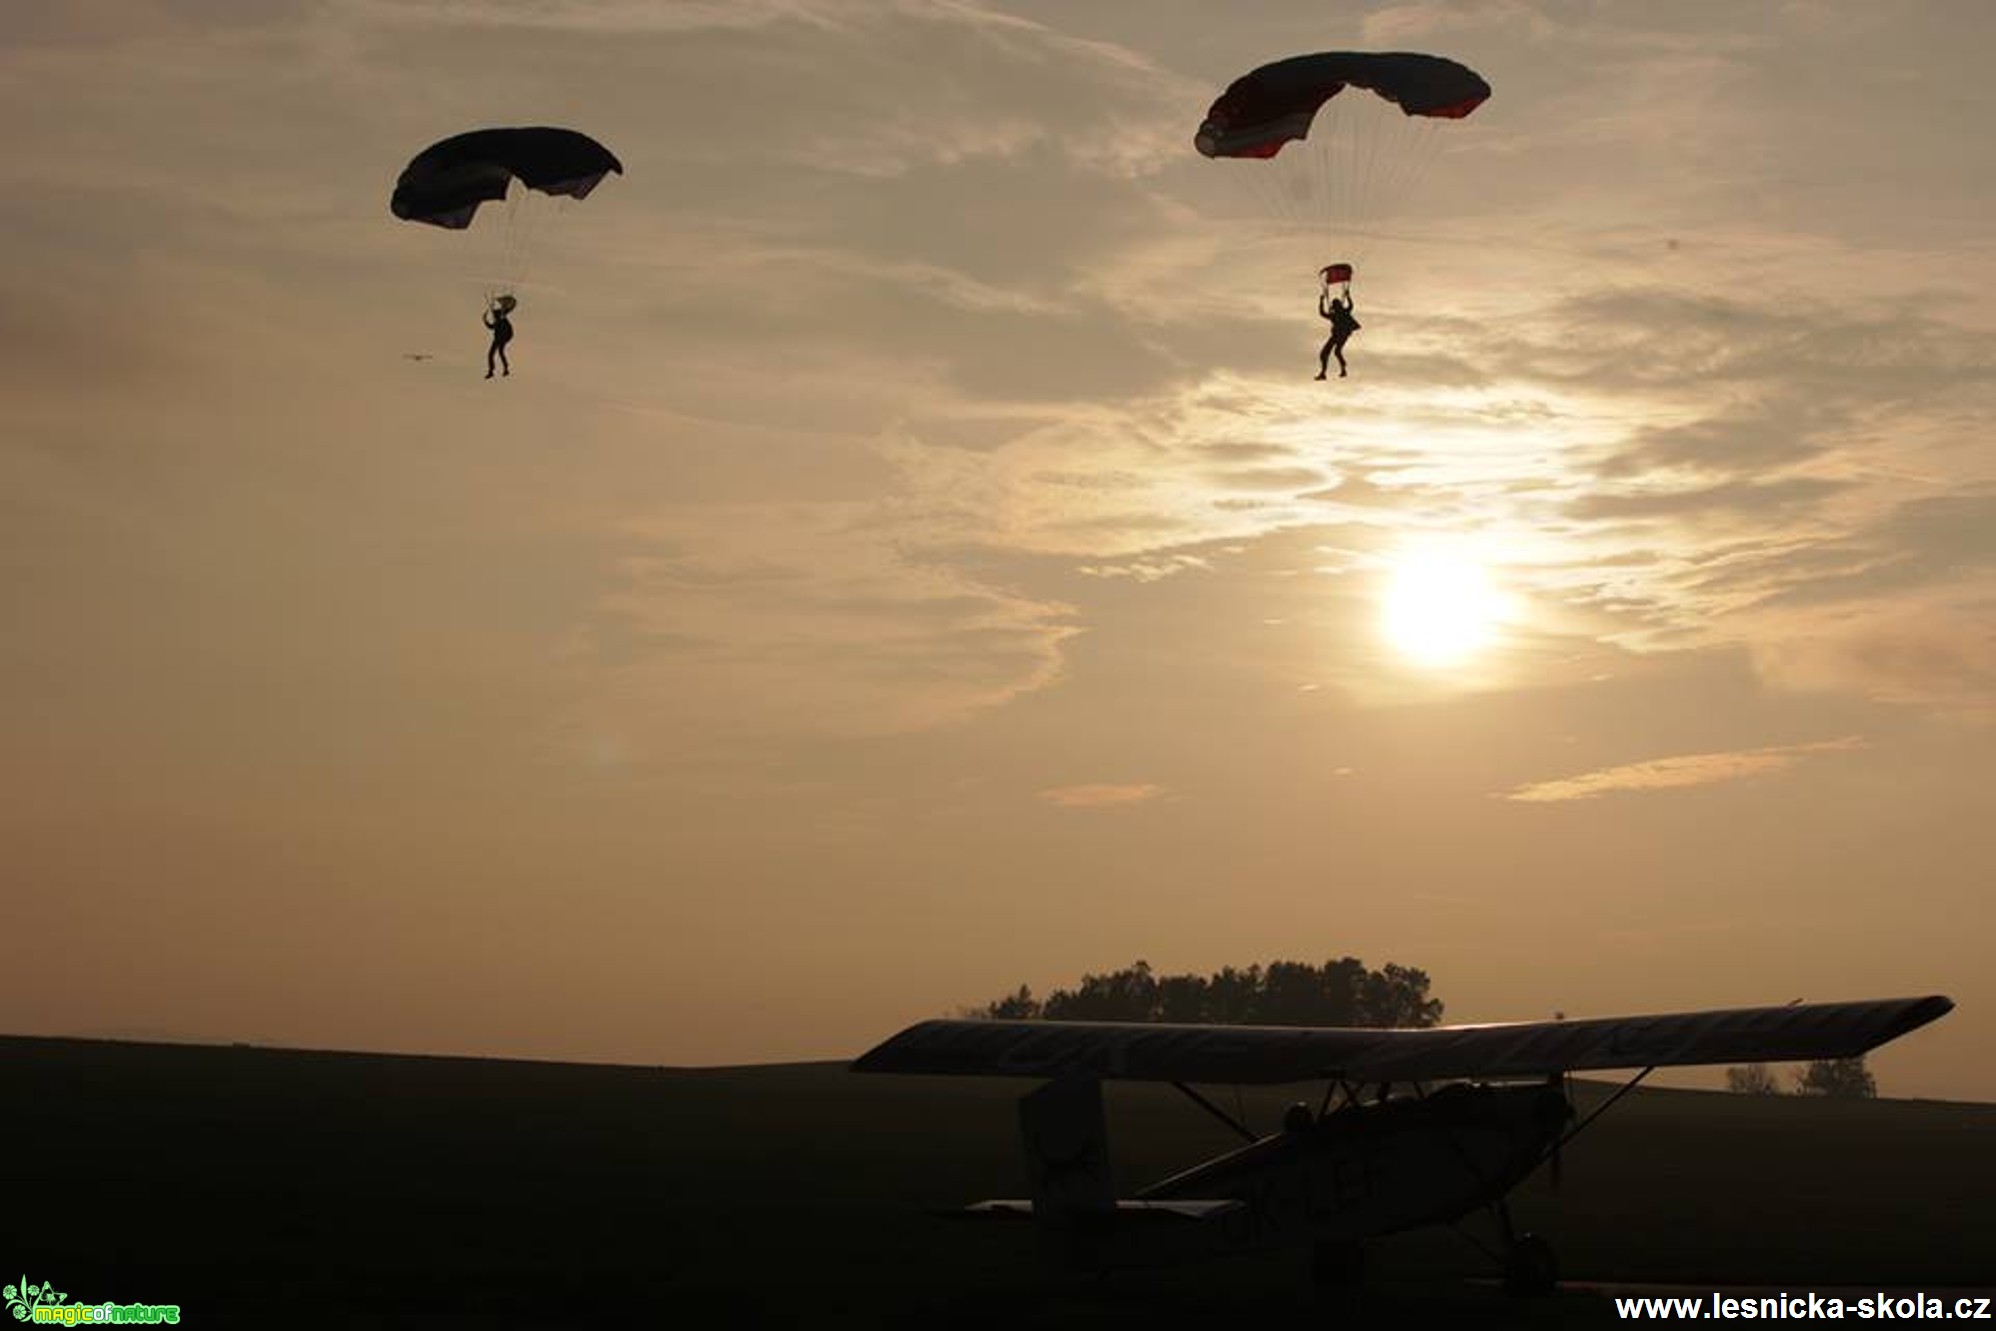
x=1677 y=772
x=608 y=17
x=1100 y=796
x=1144 y=570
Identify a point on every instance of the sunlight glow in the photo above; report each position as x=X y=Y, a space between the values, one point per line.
x=1439 y=608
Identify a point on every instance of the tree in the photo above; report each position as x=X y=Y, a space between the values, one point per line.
x=1838 y=1078
x=1183 y=998
x=1124 y=995
x=1231 y=996
x=1295 y=993
x=1753 y=1079
x=1012 y=1007
x=1283 y=993
x=1398 y=996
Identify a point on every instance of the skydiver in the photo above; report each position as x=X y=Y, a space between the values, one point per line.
x=1343 y=325
x=502 y=332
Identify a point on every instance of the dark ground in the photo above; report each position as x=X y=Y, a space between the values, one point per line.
x=274 y=1187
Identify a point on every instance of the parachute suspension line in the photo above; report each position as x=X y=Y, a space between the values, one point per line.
x=1334 y=182
x=1369 y=129
x=521 y=224
x=1395 y=156
x=519 y=228
x=1286 y=193
x=1409 y=165
x=1374 y=148
x=1311 y=188
x=523 y=217
x=1342 y=154
x=1427 y=142
x=1279 y=193
x=1375 y=128
x=1348 y=187
x=1377 y=132
x=497 y=256
x=495 y=183
x=1369 y=141
x=543 y=216
x=1345 y=167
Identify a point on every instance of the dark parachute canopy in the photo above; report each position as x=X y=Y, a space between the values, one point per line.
x=1264 y=109
x=1346 y=187
x=447 y=181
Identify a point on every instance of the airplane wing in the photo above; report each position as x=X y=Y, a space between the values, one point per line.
x=1250 y=1055
x=1178 y=1209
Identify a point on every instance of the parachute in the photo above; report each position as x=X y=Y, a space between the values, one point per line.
x=1262 y=110
x=1337 y=272
x=447 y=181
x=1357 y=158
x=445 y=184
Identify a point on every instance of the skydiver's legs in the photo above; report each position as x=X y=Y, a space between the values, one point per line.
x=490 y=352
x=505 y=366
x=1324 y=358
x=1338 y=350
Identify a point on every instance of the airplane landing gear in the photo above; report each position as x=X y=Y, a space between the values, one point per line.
x=1530 y=1268
x=1336 y=1266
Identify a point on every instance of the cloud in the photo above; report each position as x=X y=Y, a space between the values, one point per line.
x=1145 y=570
x=613 y=18
x=964 y=306
x=1793 y=360
x=1764 y=497
x=1399 y=24
x=1676 y=773
x=757 y=624
x=1285 y=480
x=1934 y=650
x=1100 y=796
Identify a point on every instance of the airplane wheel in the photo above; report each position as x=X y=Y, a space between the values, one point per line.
x=1336 y=1266
x=1530 y=1268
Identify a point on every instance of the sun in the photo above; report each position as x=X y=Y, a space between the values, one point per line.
x=1439 y=608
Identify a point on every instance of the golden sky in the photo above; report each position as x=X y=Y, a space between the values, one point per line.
x=912 y=559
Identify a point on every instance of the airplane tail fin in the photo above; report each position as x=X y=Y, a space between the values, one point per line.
x=1066 y=1135
x=1081 y=1225
x=1067 y=1151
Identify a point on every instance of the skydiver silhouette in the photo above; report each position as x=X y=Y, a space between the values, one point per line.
x=1343 y=325
x=502 y=332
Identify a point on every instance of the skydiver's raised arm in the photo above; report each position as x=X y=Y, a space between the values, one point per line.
x=1324 y=303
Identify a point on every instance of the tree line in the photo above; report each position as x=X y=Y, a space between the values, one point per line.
x=1344 y=992
x=1838 y=1078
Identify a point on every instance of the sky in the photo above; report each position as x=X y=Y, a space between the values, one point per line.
x=911 y=557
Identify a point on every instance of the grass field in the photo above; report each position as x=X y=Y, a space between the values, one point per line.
x=273 y=1187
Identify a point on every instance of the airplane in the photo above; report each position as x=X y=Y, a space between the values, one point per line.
x=1458 y=1117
